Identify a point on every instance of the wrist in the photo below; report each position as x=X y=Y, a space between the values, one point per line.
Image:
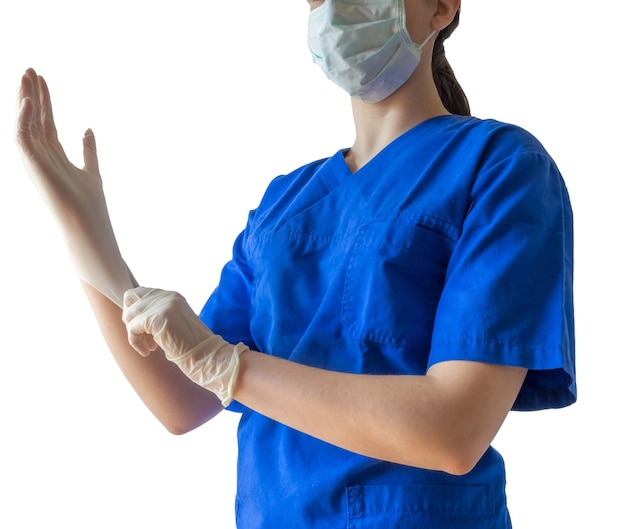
x=213 y=364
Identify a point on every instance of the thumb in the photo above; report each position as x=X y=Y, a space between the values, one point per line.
x=90 y=154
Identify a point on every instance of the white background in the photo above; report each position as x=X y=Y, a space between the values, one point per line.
x=196 y=106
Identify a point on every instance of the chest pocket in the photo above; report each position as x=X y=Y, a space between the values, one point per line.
x=420 y=506
x=394 y=279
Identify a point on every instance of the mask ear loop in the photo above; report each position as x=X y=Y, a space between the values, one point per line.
x=430 y=36
x=403 y=30
x=414 y=45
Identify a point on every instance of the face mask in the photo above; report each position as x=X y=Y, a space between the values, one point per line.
x=363 y=46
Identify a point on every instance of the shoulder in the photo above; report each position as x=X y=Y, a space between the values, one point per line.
x=494 y=136
x=507 y=153
x=290 y=183
x=473 y=149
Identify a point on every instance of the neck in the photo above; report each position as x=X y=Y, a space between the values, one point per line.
x=378 y=124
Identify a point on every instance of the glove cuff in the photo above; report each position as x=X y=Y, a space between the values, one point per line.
x=214 y=365
x=231 y=374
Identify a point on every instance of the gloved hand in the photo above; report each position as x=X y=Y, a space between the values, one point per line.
x=161 y=318
x=74 y=196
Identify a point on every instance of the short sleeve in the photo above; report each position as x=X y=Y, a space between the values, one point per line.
x=507 y=297
x=227 y=311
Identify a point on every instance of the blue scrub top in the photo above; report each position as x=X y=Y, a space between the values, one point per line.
x=453 y=243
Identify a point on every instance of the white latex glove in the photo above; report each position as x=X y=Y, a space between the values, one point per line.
x=74 y=196
x=158 y=318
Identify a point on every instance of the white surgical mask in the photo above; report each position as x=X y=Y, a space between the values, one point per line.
x=363 y=46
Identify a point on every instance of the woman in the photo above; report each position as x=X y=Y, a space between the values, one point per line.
x=384 y=308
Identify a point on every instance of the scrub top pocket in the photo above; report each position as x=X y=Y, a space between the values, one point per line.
x=420 y=506
x=394 y=280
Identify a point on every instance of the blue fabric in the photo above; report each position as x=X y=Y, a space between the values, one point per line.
x=454 y=242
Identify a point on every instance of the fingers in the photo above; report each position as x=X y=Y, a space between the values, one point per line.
x=90 y=154
x=30 y=82
x=143 y=343
x=162 y=318
x=30 y=128
x=135 y=303
x=35 y=122
x=23 y=125
x=25 y=114
x=135 y=294
x=47 y=118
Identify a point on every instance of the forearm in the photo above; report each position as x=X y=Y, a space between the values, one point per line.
x=412 y=420
x=363 y=414
x=443 y=420
x=178 y=403
x=76 y=200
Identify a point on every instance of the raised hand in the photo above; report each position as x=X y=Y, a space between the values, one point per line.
x=74 y=196
x=66 y=189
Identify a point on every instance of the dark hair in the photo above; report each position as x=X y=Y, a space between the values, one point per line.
x=450 y=91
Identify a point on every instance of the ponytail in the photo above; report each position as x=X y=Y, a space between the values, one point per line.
x=450 y=91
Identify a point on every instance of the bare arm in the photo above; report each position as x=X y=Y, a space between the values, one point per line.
x=444 y=420
x=178 y=403
x=76 y=200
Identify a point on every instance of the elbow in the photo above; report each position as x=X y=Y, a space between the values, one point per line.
x=452 y=458
x=177 y=429
x=179 y=424
x=459 y=465
x=180 y=420
x=181 y=427
x=453 y=463
x=459 y=459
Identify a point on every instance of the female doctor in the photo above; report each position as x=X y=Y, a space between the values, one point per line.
x=384 y=308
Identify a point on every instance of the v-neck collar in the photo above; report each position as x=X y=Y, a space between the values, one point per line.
x=405 y=136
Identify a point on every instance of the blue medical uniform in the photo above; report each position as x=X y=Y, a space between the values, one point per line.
x=453 y=243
